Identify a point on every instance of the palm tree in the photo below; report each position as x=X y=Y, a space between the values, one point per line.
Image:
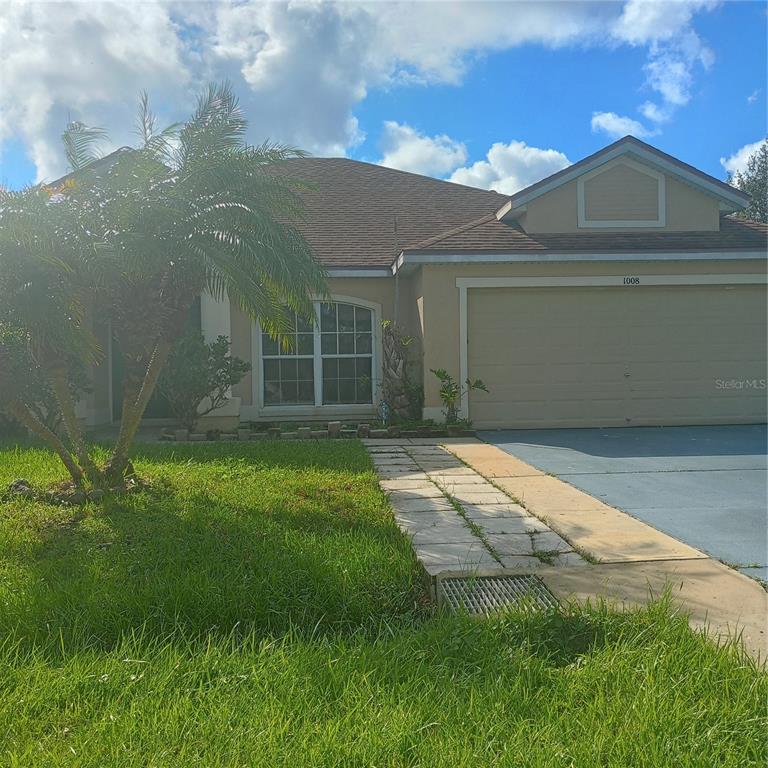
x=193 y=208
x=42 y=328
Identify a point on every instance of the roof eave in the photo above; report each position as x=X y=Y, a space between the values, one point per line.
x=408 y=260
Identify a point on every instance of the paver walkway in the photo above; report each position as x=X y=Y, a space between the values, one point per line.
x=504 y=532
x=460 y=522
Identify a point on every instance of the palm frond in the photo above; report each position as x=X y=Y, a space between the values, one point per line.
x=159 y=145
x=81 y=144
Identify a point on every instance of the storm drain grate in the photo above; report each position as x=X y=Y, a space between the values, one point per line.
x=484 y=594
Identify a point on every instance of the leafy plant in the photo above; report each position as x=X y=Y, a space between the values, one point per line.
x=198 y=376
x=403 y=395
x=451 y=393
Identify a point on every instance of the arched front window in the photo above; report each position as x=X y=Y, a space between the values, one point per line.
x=330 y=363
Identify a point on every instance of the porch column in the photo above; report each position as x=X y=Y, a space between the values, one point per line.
x=214 y=317
x=214 y=322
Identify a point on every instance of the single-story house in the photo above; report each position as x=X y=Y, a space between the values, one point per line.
x=618 y=291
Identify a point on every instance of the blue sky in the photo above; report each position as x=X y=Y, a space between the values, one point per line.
x=428 y=87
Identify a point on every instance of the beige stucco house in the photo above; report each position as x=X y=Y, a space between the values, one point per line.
x=619 y=291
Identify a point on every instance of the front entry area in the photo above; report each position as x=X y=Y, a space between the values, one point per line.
x=617 y=354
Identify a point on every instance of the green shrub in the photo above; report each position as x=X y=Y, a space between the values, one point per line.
x=199 y=374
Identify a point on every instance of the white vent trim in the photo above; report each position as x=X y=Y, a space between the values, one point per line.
x=585 y=223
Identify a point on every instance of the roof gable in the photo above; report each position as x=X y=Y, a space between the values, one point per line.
x=631 y=148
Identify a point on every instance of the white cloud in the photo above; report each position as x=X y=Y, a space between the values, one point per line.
x=408 y=150
x=670 y=67
x=617 y=126
x=738 y=160
x=645 y=21
x=752 y=98
x=301 y=68
x=511 y=167
x=675 y=50
x=60 y=61
x=653 y=112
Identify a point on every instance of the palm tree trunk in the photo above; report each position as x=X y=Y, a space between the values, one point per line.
x=60 y=384
x=133 y=410
x=19 y=411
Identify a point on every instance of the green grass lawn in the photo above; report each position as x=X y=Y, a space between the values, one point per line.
x=258 y=607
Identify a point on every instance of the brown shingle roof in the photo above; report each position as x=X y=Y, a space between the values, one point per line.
x=363 y=215
x=487 y=234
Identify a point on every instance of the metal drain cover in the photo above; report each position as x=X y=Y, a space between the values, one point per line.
x=482 y=595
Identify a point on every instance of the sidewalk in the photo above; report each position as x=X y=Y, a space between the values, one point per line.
x=472 y=509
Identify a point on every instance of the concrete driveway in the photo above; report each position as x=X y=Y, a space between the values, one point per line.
x=707 y=486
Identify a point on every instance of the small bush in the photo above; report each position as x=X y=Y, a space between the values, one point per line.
x=199 y=374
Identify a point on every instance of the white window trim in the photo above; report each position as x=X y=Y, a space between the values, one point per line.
x=585 y=223
x=577 y=281
x=318 y=409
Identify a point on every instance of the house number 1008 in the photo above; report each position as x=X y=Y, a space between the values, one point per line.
x=631 y=281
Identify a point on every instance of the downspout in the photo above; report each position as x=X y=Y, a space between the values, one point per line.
x=397 y=277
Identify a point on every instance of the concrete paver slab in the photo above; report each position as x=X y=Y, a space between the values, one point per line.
x=507 y=544
x=422 y=492
x=480 y=512
x=468 y=496
x=444 y=534
x=425 y=504
x=401 y=474
x=404 y=483
x=462 y=557
x=549 y=541
x=462 y=482
x=419 y=521
x=449 y=472
x=514 y=525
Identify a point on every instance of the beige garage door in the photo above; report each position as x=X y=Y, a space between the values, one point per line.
x=580 y=357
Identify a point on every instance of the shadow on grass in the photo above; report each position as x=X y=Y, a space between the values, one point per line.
x=307 y=546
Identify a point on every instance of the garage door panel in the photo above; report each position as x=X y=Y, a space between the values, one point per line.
x=611 y=356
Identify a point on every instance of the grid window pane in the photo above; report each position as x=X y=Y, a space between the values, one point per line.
x=328 y=343
x=289 y=391
x=346 y=343
x=347 y=368
x=347 y=391
x=288 y=370
x=363 y=368
x=272 y=370
x=307 y=392
x=362 y=319
x=346 y=317
x=363 y=390
x=328 y=318
x=363 y=343
x=303 y=325
x=330 y=391
x=305 y=369
x=305 y=344
x=271 y=393
x=331 y=368
x=268 y=345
